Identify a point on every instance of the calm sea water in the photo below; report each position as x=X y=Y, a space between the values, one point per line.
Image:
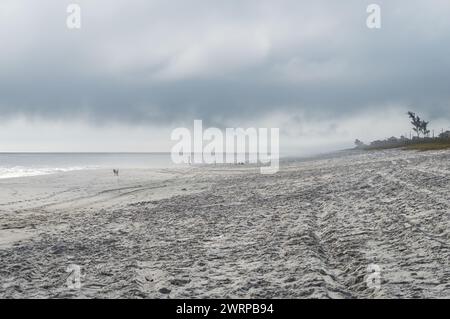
x=32 y=164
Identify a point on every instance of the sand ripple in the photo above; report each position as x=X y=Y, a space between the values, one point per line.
x=310 y=231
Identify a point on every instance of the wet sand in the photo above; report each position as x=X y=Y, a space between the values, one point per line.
x=309 y=231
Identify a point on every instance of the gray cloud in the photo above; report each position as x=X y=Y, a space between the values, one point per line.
x=167 y=61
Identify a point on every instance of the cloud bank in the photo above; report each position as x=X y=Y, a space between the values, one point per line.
x=164 y=63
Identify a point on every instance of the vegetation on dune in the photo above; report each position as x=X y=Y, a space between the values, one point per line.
x=435 y=145
x=422 y=141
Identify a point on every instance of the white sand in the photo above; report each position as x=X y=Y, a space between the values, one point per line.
x=309 y=231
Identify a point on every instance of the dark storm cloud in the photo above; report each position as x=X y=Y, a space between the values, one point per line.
x=164 y=61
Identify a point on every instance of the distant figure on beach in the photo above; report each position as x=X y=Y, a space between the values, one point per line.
x=116 y=172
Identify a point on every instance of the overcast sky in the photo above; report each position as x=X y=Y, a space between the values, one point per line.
x=137 y=69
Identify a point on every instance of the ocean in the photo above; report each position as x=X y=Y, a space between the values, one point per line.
x=32 y=164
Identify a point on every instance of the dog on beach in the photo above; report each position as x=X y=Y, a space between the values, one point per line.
x=116 y=172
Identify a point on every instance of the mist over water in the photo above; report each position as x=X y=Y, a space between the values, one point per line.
x=33 y=164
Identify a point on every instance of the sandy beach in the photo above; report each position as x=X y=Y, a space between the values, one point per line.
x=309 y=231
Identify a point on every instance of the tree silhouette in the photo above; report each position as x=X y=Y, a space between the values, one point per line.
x=424 y=128
x=416 y=122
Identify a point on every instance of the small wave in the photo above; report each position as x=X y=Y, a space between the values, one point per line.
x=19 y=171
